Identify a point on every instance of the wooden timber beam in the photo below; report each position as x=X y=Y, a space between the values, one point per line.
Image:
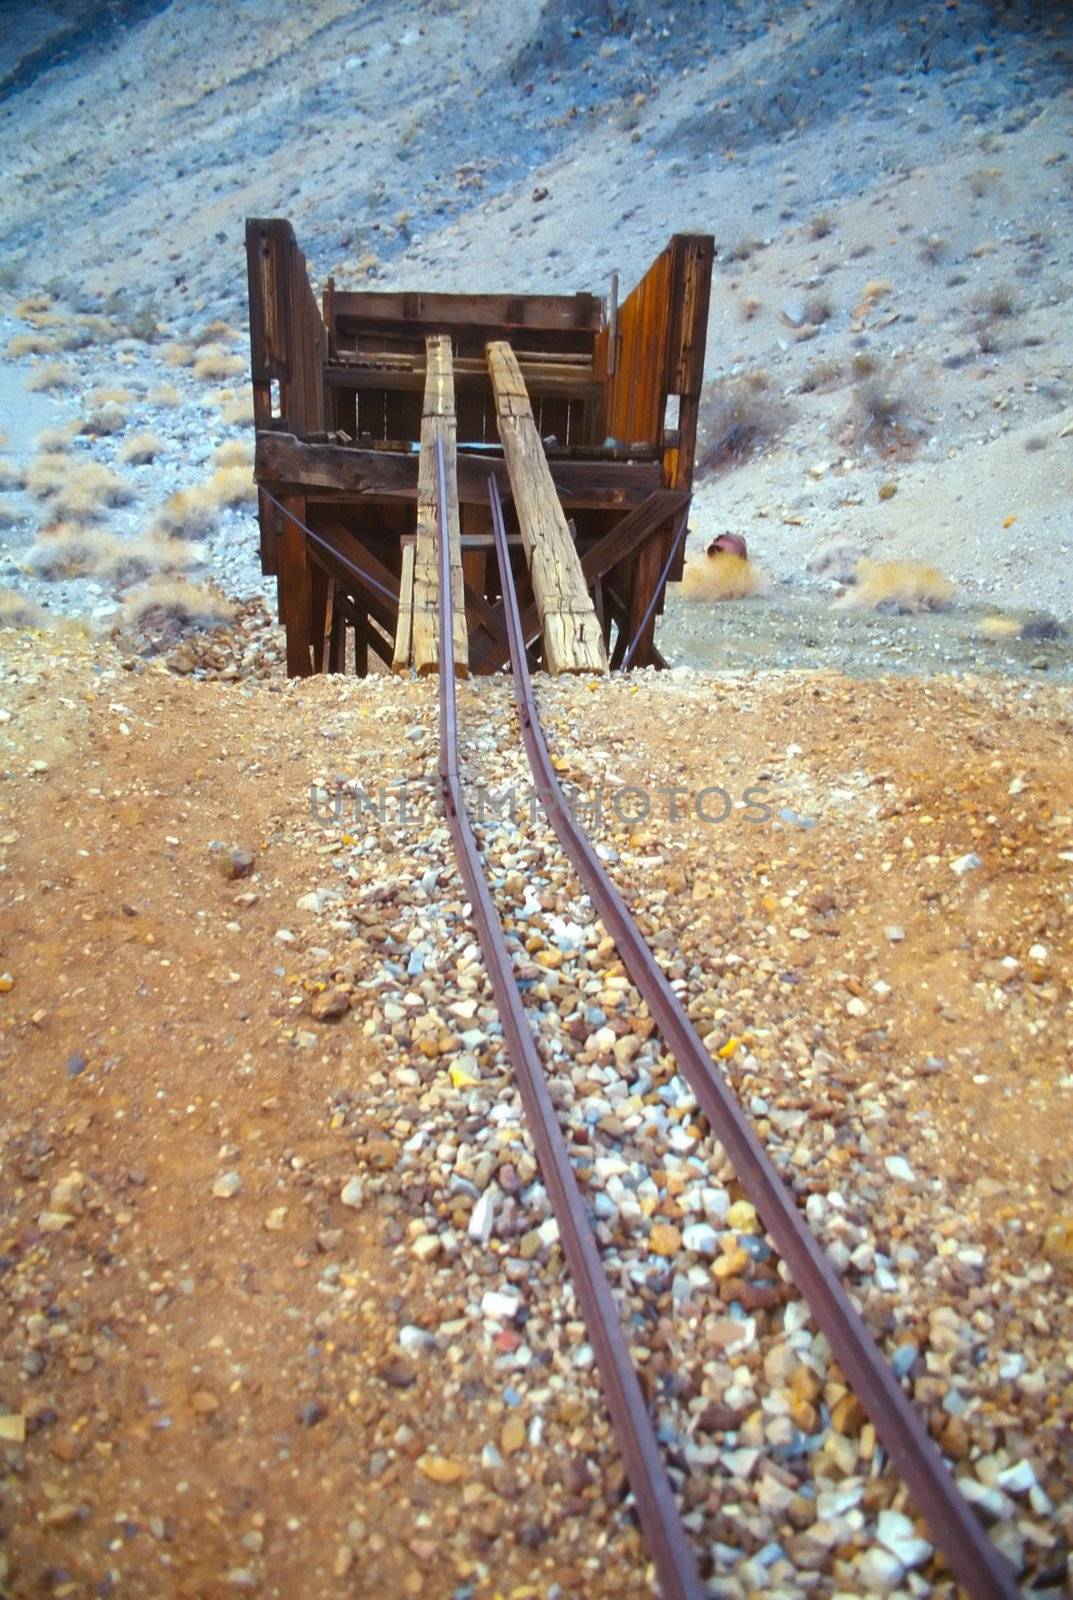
x=471 y=376
x=400 y=659
x=289 y=465
x=438 y=426
x=573 y=639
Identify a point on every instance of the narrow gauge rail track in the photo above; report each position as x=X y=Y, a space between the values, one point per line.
x=977 y=1565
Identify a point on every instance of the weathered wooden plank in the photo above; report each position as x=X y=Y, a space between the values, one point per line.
x=296 y=589
x=573 y=639
x=471 y=377
x=283 y=462
x=438 y=426
x=400 y=660
x=547 y=311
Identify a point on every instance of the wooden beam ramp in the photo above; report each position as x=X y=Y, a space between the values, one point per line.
x=573 y=638
x=419 y=613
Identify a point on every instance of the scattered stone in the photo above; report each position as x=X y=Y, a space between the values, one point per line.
x=330 y=1006
x=441 y=1469
x=664 y=1239
x=352 y=1194
x=227 y=1185
x=899 y=1168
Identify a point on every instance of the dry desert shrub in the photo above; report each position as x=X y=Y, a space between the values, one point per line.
x=982 y=180
x=722 y=576
x=818 y=309
x=110 y=396
x=999 y=627
x=16 y=611
x=54 y=441
x=165 y=602
x=33 y=305
x=933 y=248
x=898 y=586
x=742 y=249
x=235 y=406
x=166 y=395
x=739 y=417
x=215 y=364
x=820 y=225
x=32 y=344
x=1000 y=300
x=105 y=421
x=819 y=376
x=232 y=485
x=188 y=514
x=68 y=552
x=11 y=476
x=141 y=448
x=217 y=332
x=178 y=355
x=51 y=375
x=881 y=414
x=8 y=515
x=233 y=453
x=76 y=490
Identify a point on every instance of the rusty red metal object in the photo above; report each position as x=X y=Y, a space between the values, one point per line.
x=661 y=1525
x=975 y=1562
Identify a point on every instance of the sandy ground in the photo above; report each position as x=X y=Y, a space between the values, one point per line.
x=214 y=1390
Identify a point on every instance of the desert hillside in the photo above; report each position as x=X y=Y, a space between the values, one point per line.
x=284 y=1305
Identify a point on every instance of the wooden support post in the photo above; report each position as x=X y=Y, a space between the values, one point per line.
x=318 y=613
x=337 y=636
x=573 y=638
x=437 y=422
x=296 y=589
x=400 y=660
x=361 y=641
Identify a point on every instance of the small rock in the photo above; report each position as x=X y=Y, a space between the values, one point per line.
x=352 y=1194
x=440 y=1469
x=1058 y=1244
x=894 y=933
x=236 y=863
x=311 y=1413
x=330 y=1006
x=965 y=863
x=13 y=1428
x=512 y=1434
x=227 y=1185
x=398 y=1373
x=75 y=1064
x=203 y=1403
x=899 y=1168
x=664 y=1239
x=426 y=1247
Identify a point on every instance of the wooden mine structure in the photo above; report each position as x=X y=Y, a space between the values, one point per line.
x=586 y=411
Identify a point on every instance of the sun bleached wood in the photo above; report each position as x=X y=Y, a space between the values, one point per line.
x=400 y=660
x=573 y=638
x=437 y=422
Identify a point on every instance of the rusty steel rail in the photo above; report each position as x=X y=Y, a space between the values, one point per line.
x=661 y=1525
x=983 y=1571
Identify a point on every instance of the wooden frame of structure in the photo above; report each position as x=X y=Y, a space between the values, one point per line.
x=587 y=414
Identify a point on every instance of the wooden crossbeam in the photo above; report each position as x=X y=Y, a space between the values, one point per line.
x=285 y=465
x=437 y=423
x=400 y=660
x=573 y=639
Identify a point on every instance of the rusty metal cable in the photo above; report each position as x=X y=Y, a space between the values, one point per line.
x=975 y=1562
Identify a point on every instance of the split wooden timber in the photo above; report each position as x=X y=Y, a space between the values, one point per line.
x=573 y=638
x=400 y=660
x=349 y=472
x=437 y=422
